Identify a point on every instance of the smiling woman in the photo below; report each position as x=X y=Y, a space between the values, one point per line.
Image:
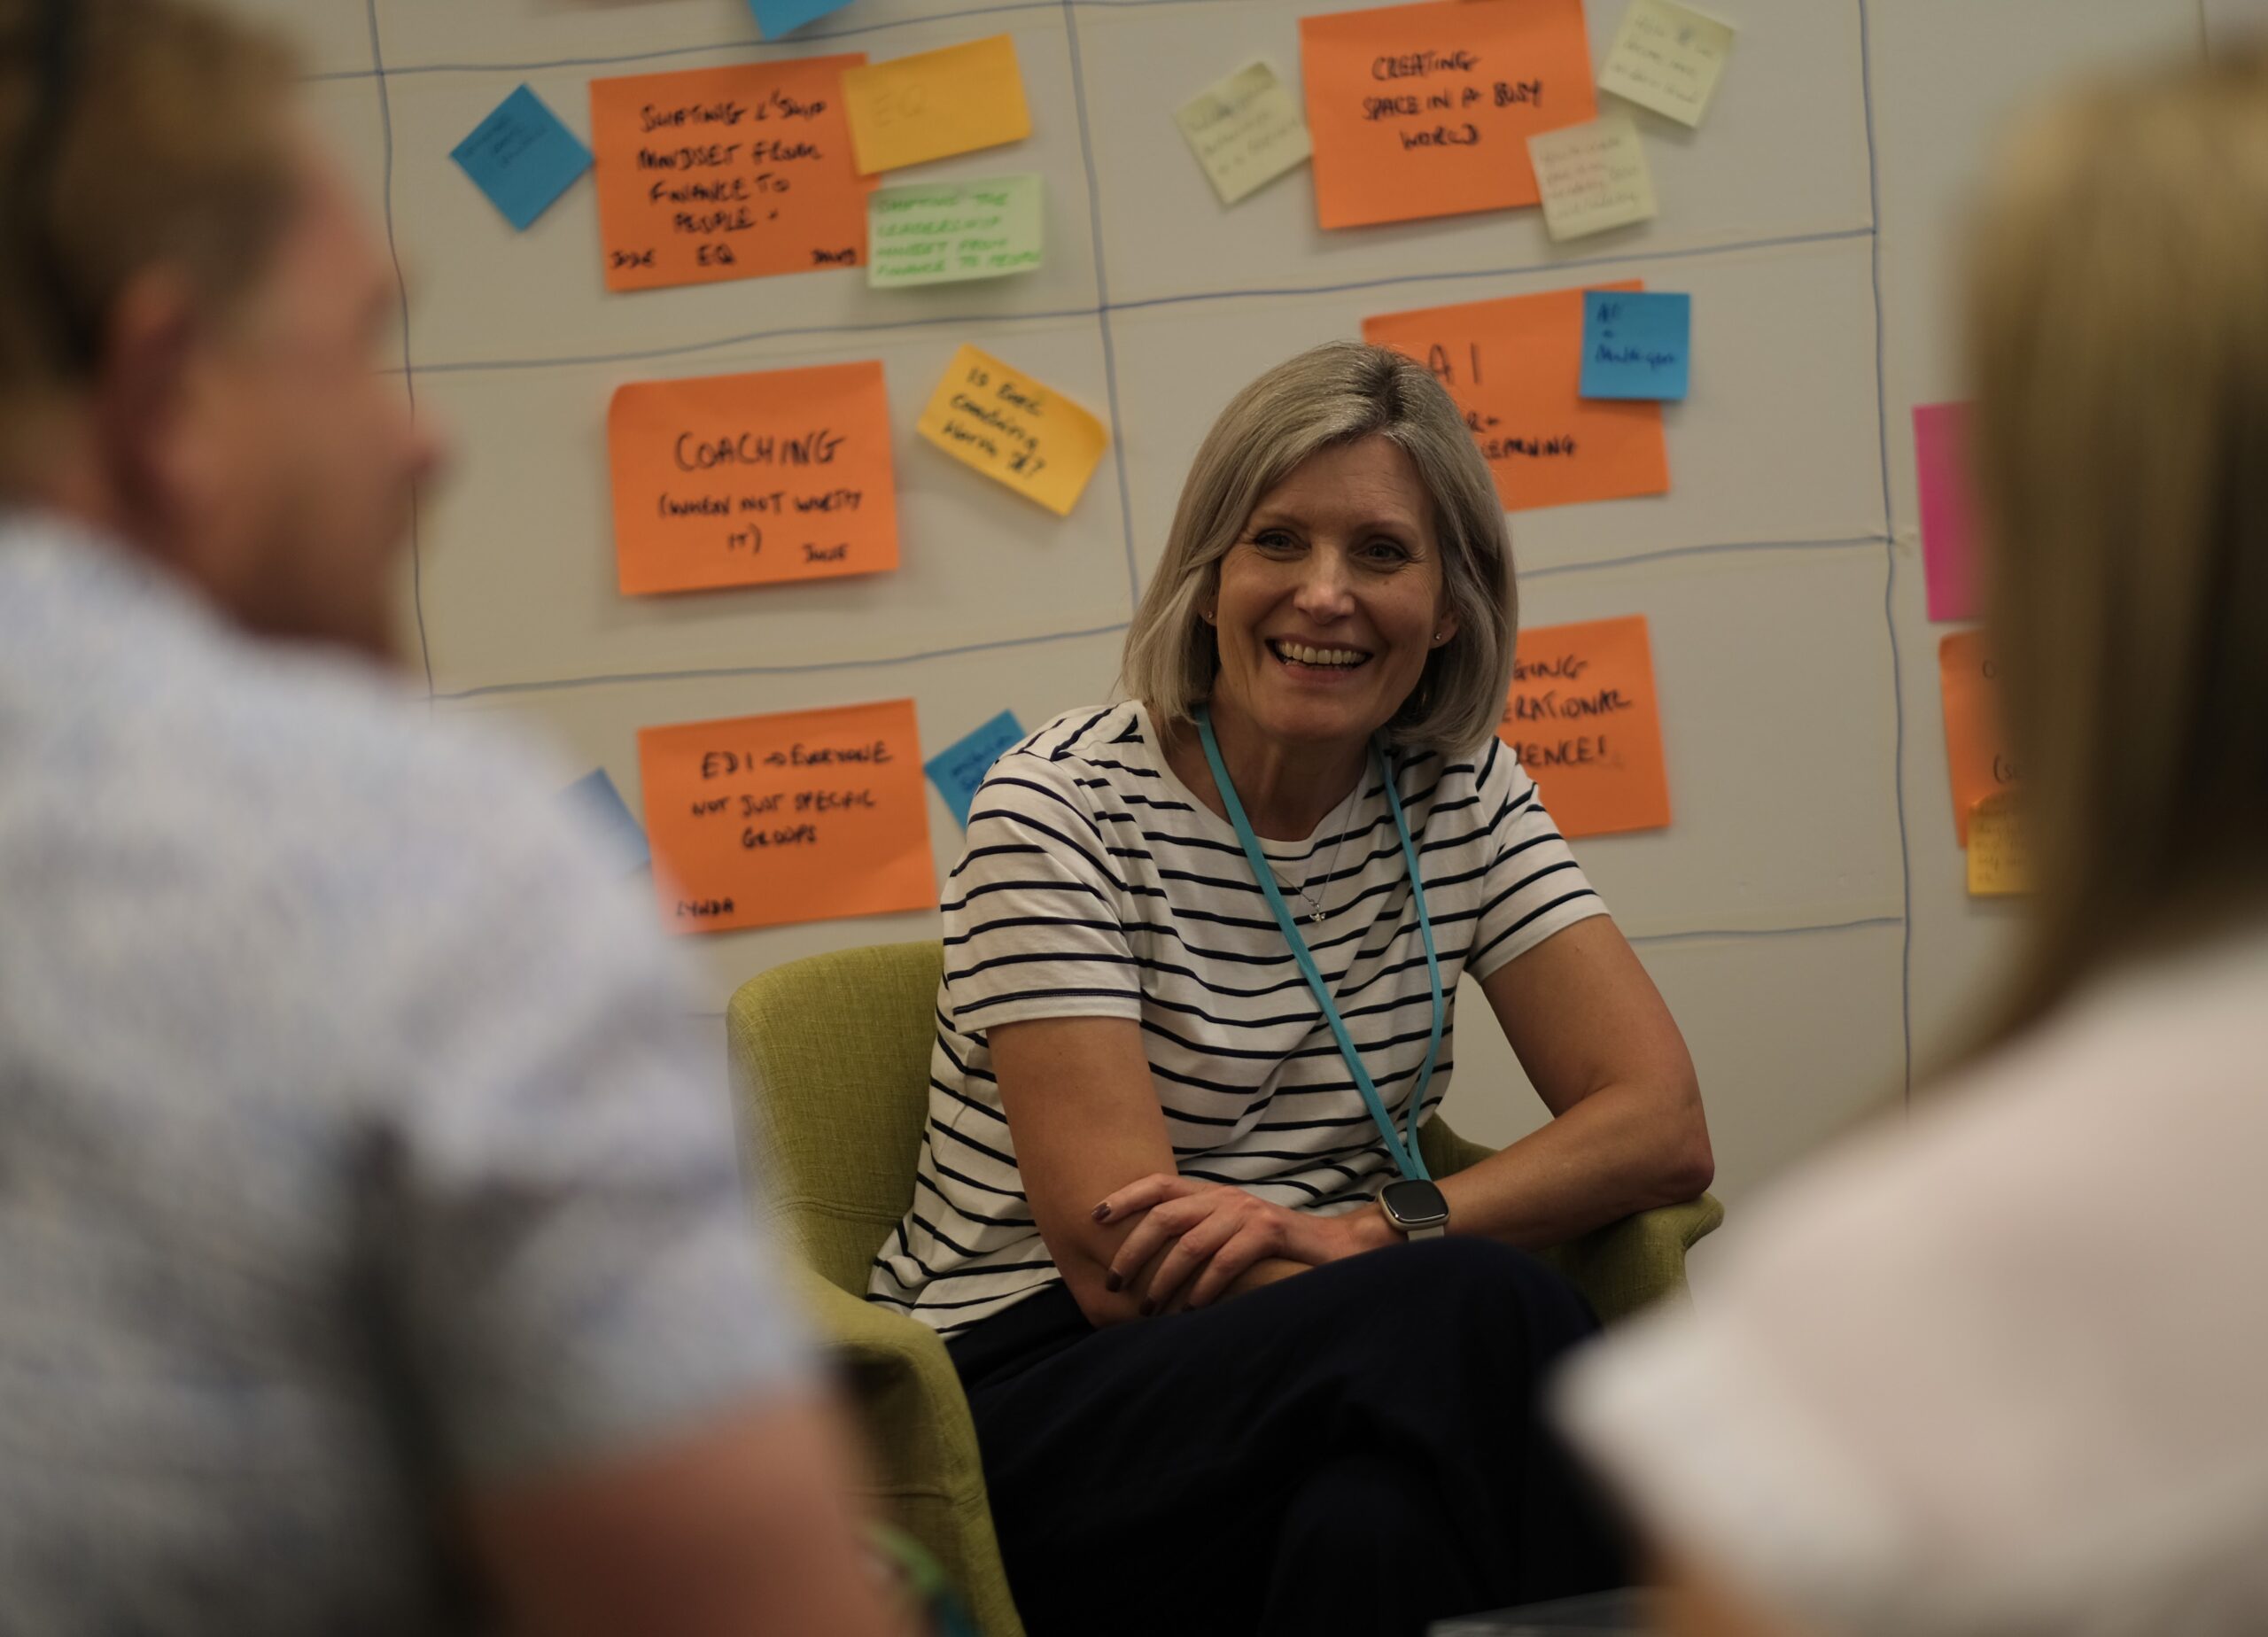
x=1202 y=957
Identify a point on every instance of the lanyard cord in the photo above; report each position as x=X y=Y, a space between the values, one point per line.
x=1407 y=1159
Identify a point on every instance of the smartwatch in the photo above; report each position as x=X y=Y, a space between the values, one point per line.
x=1416 y=1208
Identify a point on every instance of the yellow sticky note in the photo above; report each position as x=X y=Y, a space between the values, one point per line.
x=2000 y=849
x=1666 y=57
x=913 y=109
x=1245 y=131
x=1012 y=429
x=1592 y=177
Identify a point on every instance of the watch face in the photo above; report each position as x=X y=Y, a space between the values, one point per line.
x=1414 y=1204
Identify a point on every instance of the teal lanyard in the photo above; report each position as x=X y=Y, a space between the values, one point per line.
x=1407 y=1159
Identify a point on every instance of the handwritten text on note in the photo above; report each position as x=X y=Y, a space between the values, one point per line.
x=1592 y=177
x=1425 y=110
x=1245 y=131
x=804 y=816
x=745 y=479
x=715 y=173
x=1514 y=365
x=943 y=232
x=1584 y=718
x=1976 y=754
x=913 y=109
x=1636 y=344
x=1668 y=58
x=1013 y=430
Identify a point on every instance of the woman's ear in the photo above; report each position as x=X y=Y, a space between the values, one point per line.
x=1444 y=628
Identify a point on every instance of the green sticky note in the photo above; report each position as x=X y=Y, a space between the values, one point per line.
x=943 y=232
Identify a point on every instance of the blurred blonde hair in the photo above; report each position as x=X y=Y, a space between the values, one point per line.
x=2117 y=329
x=1328 y=396
x=165 y=142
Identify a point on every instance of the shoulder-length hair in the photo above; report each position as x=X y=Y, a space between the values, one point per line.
x=2117 y=335
x=1325 y=397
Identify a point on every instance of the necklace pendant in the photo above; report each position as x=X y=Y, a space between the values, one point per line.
x=1315 y=918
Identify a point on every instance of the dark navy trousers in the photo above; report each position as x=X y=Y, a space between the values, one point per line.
x=1356 y=1449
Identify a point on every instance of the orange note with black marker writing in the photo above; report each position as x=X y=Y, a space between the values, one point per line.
x=747 y=479
x=1515 y=366
x=806 y=815
x=1426 y=110
x=711 y=174
x=1583 y=716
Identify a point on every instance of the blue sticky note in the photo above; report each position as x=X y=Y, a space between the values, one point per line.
x=522 y=157
x=602 y=809
x=1635 y=344
x=960 y=767
x=774 y=17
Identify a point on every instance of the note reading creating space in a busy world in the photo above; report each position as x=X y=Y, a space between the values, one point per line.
x=1977 y=755
x=1583 y=716
x=1426 y=110
x=943 y=232
x=914 y=109
x=1515 y=366
x=1012 y=429
x=803 y=815
x=1668 y=58
x=1245 y=131
x=714 y=174
x=744 y=479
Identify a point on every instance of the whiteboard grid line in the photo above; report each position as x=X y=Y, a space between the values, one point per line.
x=472 y=366
x=409 y=376
x=1102 y=306
x=704 y=673
x=1890 y=575
x=619 y=58
x=550 y=683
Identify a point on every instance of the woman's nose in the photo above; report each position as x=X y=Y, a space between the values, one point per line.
x=1324 y=591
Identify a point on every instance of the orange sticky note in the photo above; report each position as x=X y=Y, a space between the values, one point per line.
x=1426 y=110
x=913 y=109
x=1977 y=755
x=1515 y=366
x=1013 y=430
x=807 y=815
x=743 y=480
x=1583 y=716
x=713 y=174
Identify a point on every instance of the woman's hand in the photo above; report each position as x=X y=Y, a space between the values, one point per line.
x=1213 y=1235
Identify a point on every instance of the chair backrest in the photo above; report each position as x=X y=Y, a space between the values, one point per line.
x=831 y=1065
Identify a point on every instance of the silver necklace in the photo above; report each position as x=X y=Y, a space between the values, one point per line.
x=1313 y=900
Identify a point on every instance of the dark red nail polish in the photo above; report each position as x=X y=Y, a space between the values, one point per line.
x=1102 y=1212
x=1112 y=1282
x=1148 y=1307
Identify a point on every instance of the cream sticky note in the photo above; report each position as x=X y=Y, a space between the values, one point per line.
x=1245 y=131
x=943 y=232
x=2000 y=849
x=1668 y=57
x=1592 y=177
x=1013 y=430
x=913 y=109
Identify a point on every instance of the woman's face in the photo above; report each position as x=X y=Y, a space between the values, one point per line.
x=1332 y=597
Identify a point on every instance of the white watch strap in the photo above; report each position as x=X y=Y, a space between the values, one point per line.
x=1439 y=1230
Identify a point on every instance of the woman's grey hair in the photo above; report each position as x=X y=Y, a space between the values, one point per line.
x=1329 y=396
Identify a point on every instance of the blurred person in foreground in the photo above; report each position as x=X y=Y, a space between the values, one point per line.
x=372 y=1257
x=2006 y=1371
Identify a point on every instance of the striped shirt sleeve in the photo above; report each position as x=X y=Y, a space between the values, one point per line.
x=1034 y=913
x=1533 y=887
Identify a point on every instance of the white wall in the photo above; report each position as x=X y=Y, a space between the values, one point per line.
x=1806 y=915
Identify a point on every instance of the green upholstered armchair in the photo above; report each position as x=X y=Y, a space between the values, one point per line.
x=831 y=1062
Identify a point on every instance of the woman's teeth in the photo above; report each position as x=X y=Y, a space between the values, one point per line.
x=1339 y=657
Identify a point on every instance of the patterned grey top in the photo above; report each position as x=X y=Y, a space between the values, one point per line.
x=354 y=1141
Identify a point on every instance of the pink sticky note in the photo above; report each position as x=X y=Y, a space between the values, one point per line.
x=1941 y=460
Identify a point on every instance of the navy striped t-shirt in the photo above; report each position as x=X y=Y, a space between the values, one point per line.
x=1096 y=885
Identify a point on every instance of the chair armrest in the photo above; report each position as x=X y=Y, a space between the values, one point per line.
x=1639 y=1260
x=908 y=1396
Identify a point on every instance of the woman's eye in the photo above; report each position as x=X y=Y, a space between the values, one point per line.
x=1273 y=540
x=1386 y=551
